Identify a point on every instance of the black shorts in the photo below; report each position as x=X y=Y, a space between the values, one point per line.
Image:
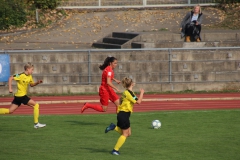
x=21 y=100
x=123 y=120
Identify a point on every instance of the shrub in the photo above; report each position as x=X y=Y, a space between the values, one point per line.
x=12 y=13
x=228 y=1
x=46 y=4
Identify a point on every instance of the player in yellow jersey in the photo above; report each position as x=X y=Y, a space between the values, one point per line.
x=128 y=99
x=20 y=97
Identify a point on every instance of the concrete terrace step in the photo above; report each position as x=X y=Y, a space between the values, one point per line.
x=184 y=44
x=114 y=40
x=233 y=36
x=127 y=35
x=106 y=45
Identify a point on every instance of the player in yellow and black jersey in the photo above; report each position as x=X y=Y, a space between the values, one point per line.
x=20 y=97
x=128 y=99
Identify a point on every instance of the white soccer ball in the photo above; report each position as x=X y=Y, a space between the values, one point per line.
x=156 y=124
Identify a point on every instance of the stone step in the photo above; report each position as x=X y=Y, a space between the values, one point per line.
x=184 y=44
x=174 y=37
x=106 y=45
x=127 y=35
x=114 y=40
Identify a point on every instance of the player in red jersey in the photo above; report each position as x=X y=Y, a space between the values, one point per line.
x=106 y=91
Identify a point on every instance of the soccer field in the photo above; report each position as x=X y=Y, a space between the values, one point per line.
x=184 y=135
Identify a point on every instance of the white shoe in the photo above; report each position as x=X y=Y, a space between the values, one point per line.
x=39 y=125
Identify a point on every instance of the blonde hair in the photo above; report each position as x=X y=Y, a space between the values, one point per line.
x=28 y=65
x=126 y=82
x=200 y=10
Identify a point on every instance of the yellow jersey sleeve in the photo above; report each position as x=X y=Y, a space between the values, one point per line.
x=17 y=77
x=131 y=98
x=31 y=80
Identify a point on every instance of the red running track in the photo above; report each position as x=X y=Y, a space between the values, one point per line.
x=146 y=96
x=74 y=108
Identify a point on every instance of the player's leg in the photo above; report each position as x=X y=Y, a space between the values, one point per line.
x=111 y=127
x=12 y=108
x=115 y=99
x=32 y=103
x=129 y=132
x=4 y=111
x=116 y=102
x=96 y=107
x=104 y=97
x=121 y=140
x=118 y=129
x=124 y=124
x=15 y=104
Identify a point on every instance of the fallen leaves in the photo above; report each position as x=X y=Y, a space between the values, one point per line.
x=87 y=26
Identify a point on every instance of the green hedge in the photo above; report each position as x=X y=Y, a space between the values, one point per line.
x=46 y=4
x=12 y=13
x=228 y=1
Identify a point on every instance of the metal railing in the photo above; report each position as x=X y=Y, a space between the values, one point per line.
x=173 y=65
x=98 y=4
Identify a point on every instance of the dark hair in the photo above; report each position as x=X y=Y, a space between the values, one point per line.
x=107 y=62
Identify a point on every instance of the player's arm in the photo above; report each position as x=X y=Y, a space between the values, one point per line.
x=140 y=96
x=10 y=84
x=36 y=83
x=110 y=84
x=117 y=81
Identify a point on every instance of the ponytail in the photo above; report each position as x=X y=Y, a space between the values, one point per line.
x=107 y=62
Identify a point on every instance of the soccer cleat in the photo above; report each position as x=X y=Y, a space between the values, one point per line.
x=114 y=152
x=39 y=125
x=84 y=107
x=110 y=127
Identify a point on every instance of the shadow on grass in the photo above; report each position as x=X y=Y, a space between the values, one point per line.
x=13 y=130
x=82 y=123
x=94 y=150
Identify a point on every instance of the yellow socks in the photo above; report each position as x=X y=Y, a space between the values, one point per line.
x=4 y=111
x=117 y=129
x=120 y=142
x=36 y=113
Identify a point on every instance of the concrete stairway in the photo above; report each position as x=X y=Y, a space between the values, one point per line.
x=115 y=40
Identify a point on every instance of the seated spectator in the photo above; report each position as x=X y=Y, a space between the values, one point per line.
x=191 y=25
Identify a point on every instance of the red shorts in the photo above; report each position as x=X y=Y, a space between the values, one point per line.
x=107 y=94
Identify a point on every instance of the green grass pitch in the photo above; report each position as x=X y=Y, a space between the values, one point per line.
x=184 y=135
